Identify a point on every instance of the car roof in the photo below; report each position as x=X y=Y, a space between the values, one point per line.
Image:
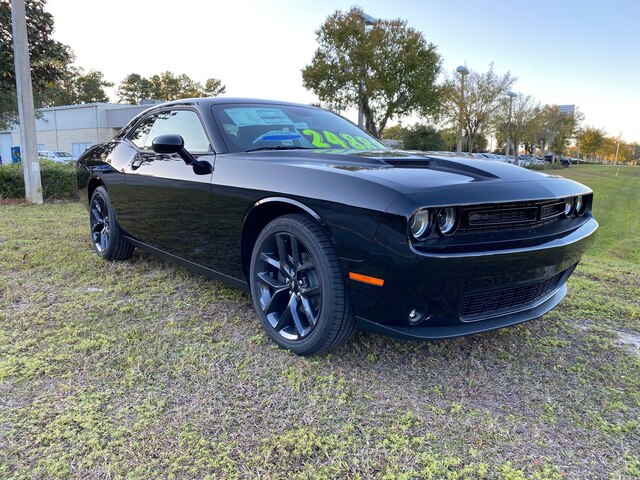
x=209 y=101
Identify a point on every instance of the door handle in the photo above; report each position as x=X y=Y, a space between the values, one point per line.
x=136 y=163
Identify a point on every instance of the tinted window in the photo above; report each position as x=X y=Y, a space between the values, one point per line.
x=248 y=127
x=186 y=124
x=139 y=135
x=182 y=122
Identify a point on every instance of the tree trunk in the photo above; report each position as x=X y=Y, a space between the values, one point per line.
x=369 y=122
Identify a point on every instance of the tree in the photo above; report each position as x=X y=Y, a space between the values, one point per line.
x=91 y=87
x=524 y=115
x=422 y=137
x=134 y=88
x=483 y=94
x=613 y=148
x=166 y=86
x=214 y=87
x=480 y=143
x=554 y=128
x=392 y=63
x=450 y=138
x=49 y=58
x=77 y=87
x=635 y=151
x=544 y=129
x=396 y=132
x=608 y=148
x=591 y=140
x=566 y=125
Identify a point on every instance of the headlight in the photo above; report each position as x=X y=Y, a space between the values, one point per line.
x=568 y=206
x=581 y=206
x=446 y=221
x=421 y=224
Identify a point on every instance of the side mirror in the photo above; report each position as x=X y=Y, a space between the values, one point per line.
x=172 y=143
x=168 y=144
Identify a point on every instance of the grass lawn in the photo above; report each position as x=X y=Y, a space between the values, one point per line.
x=145 y=370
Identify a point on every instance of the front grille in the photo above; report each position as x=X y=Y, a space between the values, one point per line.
x=476 y=304
x=553 y=210
x=514 y=216
x=500 y=217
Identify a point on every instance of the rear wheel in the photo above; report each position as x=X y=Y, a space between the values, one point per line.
x=106 y=235
x=297 y=287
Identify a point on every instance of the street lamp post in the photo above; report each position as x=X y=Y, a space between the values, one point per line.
x=511 y=95
x=367 y=20
x=463 y=71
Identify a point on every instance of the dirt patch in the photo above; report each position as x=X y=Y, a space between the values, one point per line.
x=629 y=338
x=12 y=201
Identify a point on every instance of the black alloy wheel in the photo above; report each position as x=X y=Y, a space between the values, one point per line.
x=289 y=286
x=100 y=228
x=106 y=235
x=297 y=286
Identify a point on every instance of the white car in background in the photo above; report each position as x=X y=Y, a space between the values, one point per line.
x=57 y=156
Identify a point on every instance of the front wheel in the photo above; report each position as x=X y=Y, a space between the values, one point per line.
x=297 y=287
x=106 y=236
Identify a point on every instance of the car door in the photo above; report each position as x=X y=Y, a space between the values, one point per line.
x=170 y=201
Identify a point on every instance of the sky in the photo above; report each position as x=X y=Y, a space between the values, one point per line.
x=582 y=52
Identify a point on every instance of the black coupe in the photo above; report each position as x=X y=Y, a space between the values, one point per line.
x=329 y=229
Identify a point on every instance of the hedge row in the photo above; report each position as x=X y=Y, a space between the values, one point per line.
x=58 y=181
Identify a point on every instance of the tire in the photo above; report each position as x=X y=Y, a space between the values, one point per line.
x=297 y=287
x=106 y=236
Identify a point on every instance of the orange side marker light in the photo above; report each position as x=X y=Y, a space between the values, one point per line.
x=378 y=282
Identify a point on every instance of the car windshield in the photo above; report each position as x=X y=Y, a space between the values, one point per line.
x=247 y=127
x=63 y=154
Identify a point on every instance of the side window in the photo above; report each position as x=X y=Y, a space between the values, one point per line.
x=183 y=122
x=139 y=135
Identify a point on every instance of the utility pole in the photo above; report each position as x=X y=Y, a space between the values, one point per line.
x=26 y=112
x=367 y=20
x=463 y=71
x=511 y=95
x=618 y=146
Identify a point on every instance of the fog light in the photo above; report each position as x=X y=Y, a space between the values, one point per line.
x=415 y=316
x=447 y=220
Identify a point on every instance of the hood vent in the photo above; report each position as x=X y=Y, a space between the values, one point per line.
x=456 y=166
x=409 y=163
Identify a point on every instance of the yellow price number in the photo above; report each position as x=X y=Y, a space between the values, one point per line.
x=327 y=139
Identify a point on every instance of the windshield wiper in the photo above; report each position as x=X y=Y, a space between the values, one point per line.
x=281 y=147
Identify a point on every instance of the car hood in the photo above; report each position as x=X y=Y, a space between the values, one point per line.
x=431 y=179
x=404 y=171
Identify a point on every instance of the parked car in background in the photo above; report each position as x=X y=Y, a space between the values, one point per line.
x=327 y=228
x=57 y=156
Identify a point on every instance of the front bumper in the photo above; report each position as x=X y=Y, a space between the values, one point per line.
x=420 y=332
x=443 y=295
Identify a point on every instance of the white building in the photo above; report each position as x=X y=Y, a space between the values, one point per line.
x=73 y=128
